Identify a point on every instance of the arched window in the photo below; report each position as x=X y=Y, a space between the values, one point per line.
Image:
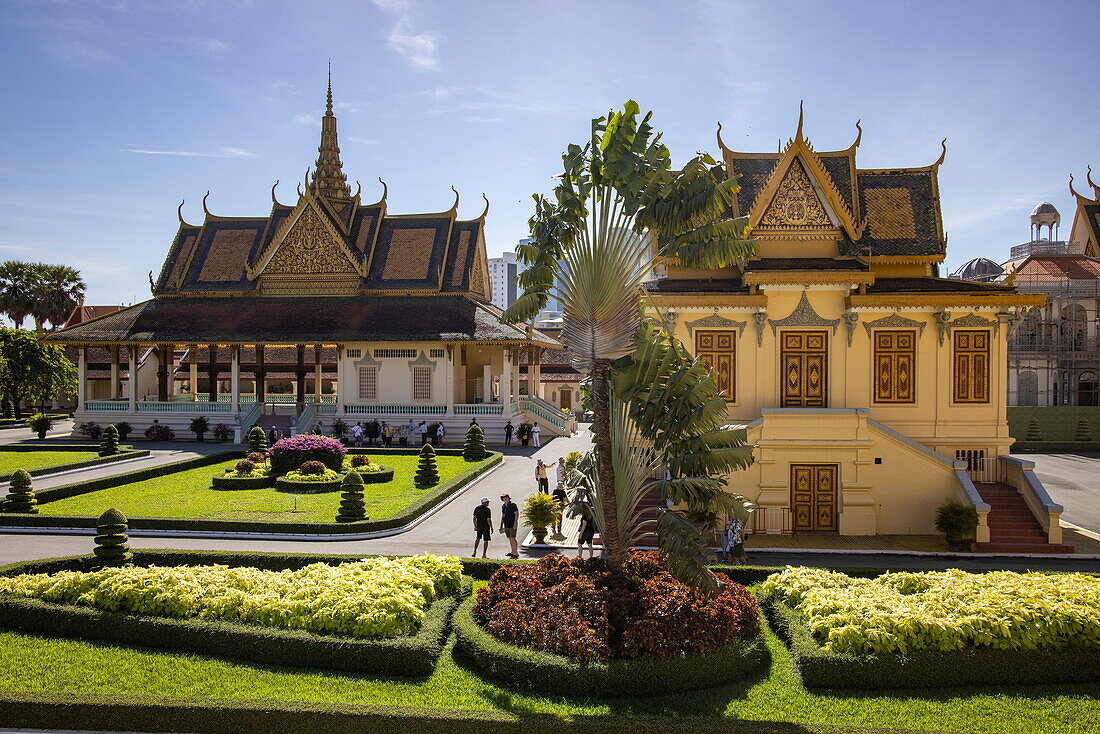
x=1088 y=389
x=1027 y=389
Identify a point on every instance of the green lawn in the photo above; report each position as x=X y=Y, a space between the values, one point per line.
x=12 y=461
x=188 y=494
x=33 y=664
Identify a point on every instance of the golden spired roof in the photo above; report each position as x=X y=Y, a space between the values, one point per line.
x=328 y=178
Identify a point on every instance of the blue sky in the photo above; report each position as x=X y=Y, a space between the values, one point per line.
x=117 y=109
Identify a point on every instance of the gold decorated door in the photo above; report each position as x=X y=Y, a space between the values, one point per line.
x=717 y=349
x=804 y=361
x=814 y=497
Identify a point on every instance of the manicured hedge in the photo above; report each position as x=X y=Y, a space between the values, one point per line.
x=404 y=517
x=221 y=481
x=126 y=452
x=377 y=477
x=822 y=668
x=293 y=486
x=45 y=710
x=547 y=673
x=412 y=655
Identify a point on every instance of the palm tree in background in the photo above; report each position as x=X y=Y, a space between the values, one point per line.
x=46 y=293
x=617 y=209
x=17 y=290
x=60 y=289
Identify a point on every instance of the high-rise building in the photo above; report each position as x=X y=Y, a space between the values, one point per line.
x=503 y=272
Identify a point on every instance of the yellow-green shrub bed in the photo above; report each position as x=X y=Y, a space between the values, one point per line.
x=942 y=610
x=370 y=598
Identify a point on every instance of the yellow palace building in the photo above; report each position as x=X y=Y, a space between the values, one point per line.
x=874 y=389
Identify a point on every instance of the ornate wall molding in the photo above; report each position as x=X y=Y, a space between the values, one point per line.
x=973 y=320
x=367 y=360
x=804 y=315
x=895 y=321
x=943 y=323
x=850 y=320
x=422 y=361
x=714 y=322
x=670 y=322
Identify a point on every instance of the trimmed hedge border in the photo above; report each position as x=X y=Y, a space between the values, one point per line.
x=293 y=486
x=404 y=517
x=821 y=668
x=220 y=481
x=548 y=673
x=412 y=655
x=124 y=453
x=61 y=711
x=377 y=477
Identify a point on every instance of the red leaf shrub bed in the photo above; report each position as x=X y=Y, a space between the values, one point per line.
x=578 y=609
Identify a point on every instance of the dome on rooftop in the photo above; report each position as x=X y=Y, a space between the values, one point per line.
x=980 y=268
x=1045 y=215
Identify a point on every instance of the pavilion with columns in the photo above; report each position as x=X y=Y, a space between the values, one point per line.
x=328 y=309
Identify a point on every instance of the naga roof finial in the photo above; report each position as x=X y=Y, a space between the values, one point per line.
x=718 y=134
x=1093 y=184
x=273 y=199
x=486 y=212
x=204 y=209
x=385 y=190
x=454 y=207
x=1075 y=194
x=801 y=119
x=179 y=213
x=943 y=154
x=358 y=189
x=859 y=135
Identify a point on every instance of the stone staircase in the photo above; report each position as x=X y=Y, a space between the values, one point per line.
x=281 y=422
x=1012 y=526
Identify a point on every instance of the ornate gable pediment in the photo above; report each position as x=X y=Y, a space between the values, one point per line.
x=308 y=246
x=804 y=315
x=796 y=204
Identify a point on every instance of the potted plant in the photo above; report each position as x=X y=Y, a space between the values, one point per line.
x=523 y=433
x=91 y=430
x=199 y=426
x=957 y=522
x=222 y=432
x=538 y=513
x=123 y=429
x=40 y=423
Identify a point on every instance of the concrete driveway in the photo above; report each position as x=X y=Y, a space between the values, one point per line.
x=1072 y=480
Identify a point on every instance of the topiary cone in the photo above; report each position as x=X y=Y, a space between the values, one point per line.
x=1034 y=430
x=20 y=495
x=111 y=548
x=108 y=445
x=426 y=473
x=474 y=448
x=1084 y=432
x=257 y=440
x=352 y=507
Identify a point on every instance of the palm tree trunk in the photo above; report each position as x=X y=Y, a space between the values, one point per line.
x=610 y=532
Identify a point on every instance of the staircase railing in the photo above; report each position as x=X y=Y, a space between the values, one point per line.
x=302 y=422
x=248 y=420
x=968 y=493
x=1020 y=474
x=529 y=406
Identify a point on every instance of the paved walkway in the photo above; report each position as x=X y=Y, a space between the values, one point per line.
x=1072 y=480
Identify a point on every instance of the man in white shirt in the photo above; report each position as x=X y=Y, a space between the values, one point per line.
x=535 y=431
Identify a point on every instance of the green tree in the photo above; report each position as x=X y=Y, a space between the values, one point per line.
x=108 y=444
x=474 y=448
x=58 y=290
x=352 y=506
x=20 y=494
x=618 y=207
x=17 y=290
x=427 y=475
x=32 y=372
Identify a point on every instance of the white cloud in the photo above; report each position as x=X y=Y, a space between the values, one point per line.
x=308 y=119
x=418 y=47
x=438 y=92
x=206 y=46
x=363 y=141
x=224 y=152
x=479 y=118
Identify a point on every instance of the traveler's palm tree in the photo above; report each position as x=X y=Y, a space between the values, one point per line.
x=618 y=208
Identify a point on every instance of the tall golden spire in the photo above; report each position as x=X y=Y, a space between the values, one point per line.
x=328 y=175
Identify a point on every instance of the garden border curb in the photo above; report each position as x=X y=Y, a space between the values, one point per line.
x=124 y=455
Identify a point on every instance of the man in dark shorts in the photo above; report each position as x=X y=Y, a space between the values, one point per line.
x=509 y=523
x=483 y=526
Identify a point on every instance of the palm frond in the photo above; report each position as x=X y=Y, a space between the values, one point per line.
x=682 y=545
